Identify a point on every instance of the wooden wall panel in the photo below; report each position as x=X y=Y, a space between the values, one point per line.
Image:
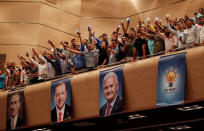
x=37 y=104
x=140 y=84
x=72 y=6
x=46 y=34
x=58 y=19
x=3 y=108
x=195 y=74
x=101 y=8
x=11 y=52
x=19 y=12
x=18 y=33
x=85 y=104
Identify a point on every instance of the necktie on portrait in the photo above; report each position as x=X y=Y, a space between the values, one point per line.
x=108 y=110
x=60 y=117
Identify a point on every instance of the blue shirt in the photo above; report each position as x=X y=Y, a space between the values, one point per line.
x=150 y=44
x=98 y=41
x=91 y=58
x=2 y=81
x=79 y=60
x=83 y=48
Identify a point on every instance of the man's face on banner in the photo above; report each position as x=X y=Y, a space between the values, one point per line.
x=110 y=88
x=15 y=105
x=60 y=95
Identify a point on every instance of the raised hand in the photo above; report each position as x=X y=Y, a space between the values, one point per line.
x=27 y=54
x=122 y=22
x=51 y=43
x=78 y=33
x=61 y=43
x=33 y=49
x=118 y=28
x=167 y=18
x=128 y=20
x=89 y=28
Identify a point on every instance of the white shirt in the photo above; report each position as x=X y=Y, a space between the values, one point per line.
x=169 y=42
x=191 y=35
x=178 y=34
x=42 y=69
x=201 y=28
x=113 y=58
x=50 y=69
x=62 y=111
x=24 y=77
x=14 y=121
x=112 y=104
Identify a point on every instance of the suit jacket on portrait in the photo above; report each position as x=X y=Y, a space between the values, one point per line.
x=117 y=107
x=67 y=113
x=19 y=123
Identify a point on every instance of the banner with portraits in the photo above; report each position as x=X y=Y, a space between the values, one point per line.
x=111 y=91
x=15 y=110
x=171 y=79
x=61 y=106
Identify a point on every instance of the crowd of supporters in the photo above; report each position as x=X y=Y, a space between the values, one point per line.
x=95 y=52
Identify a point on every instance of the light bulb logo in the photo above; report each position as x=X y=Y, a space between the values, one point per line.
x=171 y=76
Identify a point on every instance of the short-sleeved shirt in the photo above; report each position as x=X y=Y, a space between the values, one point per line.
x=2 y=81
x=103 y=54
x=130 y=48
x=150 y=46
x=66 y=52
x=120 y=54
x=66 y=65
x=78 y=61
x=138 y=45
x=113 y=57
x=130 y=45
x=91 y=58
x=201 y=33
x=33 y=71
x=159 y=44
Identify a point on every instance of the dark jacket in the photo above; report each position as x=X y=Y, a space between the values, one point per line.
x=19 y=123
x=117 y=107
x=67 y=113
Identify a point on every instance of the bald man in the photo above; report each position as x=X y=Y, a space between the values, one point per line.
x=110 y=89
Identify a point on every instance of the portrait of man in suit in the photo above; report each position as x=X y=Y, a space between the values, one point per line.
x=110 y=91
x=61 y=111
x=15 y=110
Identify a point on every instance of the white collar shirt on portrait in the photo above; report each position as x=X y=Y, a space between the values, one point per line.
x=14 y=121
